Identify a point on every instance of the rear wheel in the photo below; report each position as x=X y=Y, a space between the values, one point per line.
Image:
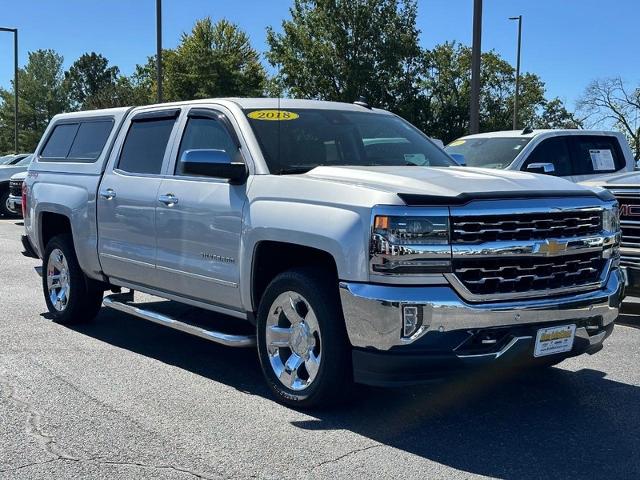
x=302 y=343
x=71 y=297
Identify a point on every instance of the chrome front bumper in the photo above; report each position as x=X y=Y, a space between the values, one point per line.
x=373 y=313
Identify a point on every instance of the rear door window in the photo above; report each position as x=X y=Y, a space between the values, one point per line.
x=81 y=142
x=555 y=151
x=595 y=154
x=145 y=145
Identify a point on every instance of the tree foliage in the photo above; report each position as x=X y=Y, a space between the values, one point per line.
x=446 y=92
x=42 y=95
x=213 y=60
x=342 y=49
x=91 y=82
x=609 y=102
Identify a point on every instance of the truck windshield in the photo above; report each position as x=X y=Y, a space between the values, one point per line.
x=298 y=140
x=493 y=152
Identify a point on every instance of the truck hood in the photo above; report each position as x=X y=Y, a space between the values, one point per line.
x=627 y=179
x=20 y=175
x=442 y=181
x=7 y=172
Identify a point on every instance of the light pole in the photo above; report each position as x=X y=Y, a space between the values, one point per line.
x=159 y=48
x=15 y=83
x=474 y=108
x=515 y=101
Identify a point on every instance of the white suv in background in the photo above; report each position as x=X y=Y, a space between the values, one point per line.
x=576 y=155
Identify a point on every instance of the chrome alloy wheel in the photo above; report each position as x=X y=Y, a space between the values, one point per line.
x=294 y=343
x=58 y=281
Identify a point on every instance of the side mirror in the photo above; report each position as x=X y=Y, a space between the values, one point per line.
x=546 y=168
x=213 y=163
x=459 y=159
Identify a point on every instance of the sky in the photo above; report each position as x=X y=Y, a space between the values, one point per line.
x=567 y=42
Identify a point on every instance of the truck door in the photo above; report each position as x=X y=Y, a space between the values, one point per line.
x=127 y=198
x=199 y=219
x=554 y=150
x=595 y=155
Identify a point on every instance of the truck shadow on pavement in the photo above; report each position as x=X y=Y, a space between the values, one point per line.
x=551 y=423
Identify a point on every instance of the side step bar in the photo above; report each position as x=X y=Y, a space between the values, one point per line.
x=118 y=302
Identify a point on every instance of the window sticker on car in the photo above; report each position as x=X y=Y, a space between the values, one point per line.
x=457 y=143
x=602 y=160
x=277 y=115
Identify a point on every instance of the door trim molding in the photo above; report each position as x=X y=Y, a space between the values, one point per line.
x=127 y=260
x=197 y=276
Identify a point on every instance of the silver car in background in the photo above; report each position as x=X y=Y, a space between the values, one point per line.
x=7 y=208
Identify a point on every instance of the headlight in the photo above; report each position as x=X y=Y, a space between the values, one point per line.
x=611 y=219
x=410 y=245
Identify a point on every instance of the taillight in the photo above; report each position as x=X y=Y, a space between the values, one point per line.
x=24 y=199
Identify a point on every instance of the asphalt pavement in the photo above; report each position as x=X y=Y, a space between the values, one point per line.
x=123 y=398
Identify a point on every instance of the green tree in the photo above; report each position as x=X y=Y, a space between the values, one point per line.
x=555 y=115
x=214 y=60
x=91 y=82
x=342 y=49
x=446 y=88
x=42 y=95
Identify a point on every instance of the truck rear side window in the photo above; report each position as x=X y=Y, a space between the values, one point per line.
x=144 y=147
x=90 y=140
x=77 y=142
x=60 y=140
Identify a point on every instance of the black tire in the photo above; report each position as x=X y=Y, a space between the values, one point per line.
x=333 y=382
x=4 y=210
x=85 y=295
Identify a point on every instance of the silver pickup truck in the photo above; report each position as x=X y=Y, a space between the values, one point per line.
x=354 y=247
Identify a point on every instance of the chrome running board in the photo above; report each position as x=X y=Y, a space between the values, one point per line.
x=118 y=302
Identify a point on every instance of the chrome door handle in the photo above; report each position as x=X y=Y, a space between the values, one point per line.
x=169 y=199
x=108 y=194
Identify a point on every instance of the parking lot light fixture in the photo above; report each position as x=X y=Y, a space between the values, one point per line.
x=515 y=100
x=15 y=82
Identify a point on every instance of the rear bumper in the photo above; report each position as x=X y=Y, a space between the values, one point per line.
x=450 y=338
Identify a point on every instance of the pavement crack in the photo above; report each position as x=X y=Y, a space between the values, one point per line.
x=174 y=468
x=34 y=427
x=345 y=455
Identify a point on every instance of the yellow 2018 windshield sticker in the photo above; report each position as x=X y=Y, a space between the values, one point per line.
x=277 y=115
x=456 y=143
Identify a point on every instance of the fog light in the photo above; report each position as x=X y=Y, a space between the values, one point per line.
x=411 y=319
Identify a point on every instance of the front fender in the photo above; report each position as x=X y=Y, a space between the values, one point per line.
x=341 y=232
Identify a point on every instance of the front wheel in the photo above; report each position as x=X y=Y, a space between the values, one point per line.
x=71 y=297
x=302 y=342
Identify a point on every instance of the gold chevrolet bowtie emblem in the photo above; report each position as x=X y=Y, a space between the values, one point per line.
x=551 y=247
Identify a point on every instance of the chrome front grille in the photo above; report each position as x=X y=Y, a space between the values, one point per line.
x=530 y=249
x=15 y=187
x=530 y=226
x=517 y=275
x=629 y=200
